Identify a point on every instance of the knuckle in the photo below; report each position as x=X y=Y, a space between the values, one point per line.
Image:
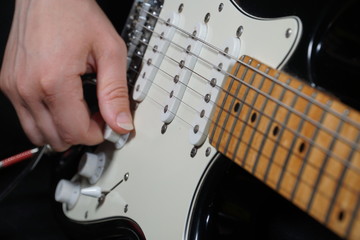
x=69 y=138
x=47 y=86
x=114 y=91
x=60 y=147
x=25 y=92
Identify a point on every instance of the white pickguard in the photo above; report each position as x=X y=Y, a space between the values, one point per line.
x=163 y=178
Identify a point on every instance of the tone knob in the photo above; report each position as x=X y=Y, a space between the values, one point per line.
x=118 y=139
x=67 y=192
x=91 y=166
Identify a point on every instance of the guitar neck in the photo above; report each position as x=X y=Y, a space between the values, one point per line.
x=300 y=141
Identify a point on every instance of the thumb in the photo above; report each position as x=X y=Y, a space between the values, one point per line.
x=112 y=88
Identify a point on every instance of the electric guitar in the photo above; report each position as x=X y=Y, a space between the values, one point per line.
x=222 y=78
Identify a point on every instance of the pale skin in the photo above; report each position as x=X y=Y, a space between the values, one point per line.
x=51 y=44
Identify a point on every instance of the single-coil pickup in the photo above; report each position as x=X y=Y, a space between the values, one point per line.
x=186 y=64
x=161 y=39
x=225 y=60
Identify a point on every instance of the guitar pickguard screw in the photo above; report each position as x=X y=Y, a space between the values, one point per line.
x=213 y=82
x=176 y=79
x=196 y=129
x=155 y=48
x=208 y=151
x=194 y=33
x=239 y=31
x=168 y=22
x=181 y=8
x=149 y=61
x=288 y=32
x=207 y=18
x=126 y=176
x=207 y=98
x=188 y=49
x=182 y=64
x=221 y=7
x=193 y=152
x=126 y=208
x=163 y=128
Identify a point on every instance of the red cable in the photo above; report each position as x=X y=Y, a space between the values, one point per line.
x=18 y=158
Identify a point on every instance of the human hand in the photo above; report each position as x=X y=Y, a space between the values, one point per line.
x=51 y=44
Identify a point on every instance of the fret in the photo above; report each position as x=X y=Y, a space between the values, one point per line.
x=221 y=108
x=247 y=117
x=235 y=85
x=256 y=126
x=321 y=179
x=276 y=155
x=291 y=160
x=266 y=133
x=354 y=224
x=342 y=206
x=301 y=174
x=352 y=178
x=338 y=215
x=240 y=101
x=264 y=140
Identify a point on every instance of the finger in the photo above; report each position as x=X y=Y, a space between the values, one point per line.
x=28 y=124
x=112 y=85
x=47 y=127
x=71 y=114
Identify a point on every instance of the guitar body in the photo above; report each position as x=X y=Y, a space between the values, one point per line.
x=163 y=175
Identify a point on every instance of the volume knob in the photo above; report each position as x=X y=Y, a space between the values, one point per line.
x=91 y=166
x=118 y=139
x=67 y=192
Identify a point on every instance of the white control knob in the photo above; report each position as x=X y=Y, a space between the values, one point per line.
x=94 y=191
x=67 y=192
x=118 y=139
x=91 y=166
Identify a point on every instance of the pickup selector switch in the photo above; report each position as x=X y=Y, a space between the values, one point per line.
x=91 y=166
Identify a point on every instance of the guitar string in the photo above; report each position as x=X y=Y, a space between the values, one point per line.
x=301 y=115
x=310 y=141
x=269 y=180
x=319 y=104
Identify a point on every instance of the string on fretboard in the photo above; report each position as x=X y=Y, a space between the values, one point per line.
x=315 y=148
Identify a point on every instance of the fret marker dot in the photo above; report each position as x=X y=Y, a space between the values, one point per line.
x=302 y=147
x=237 y=107
x=341 y=215
x=253 y=117
x=275 y=130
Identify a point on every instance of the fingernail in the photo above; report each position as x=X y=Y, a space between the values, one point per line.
x=124 y=121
